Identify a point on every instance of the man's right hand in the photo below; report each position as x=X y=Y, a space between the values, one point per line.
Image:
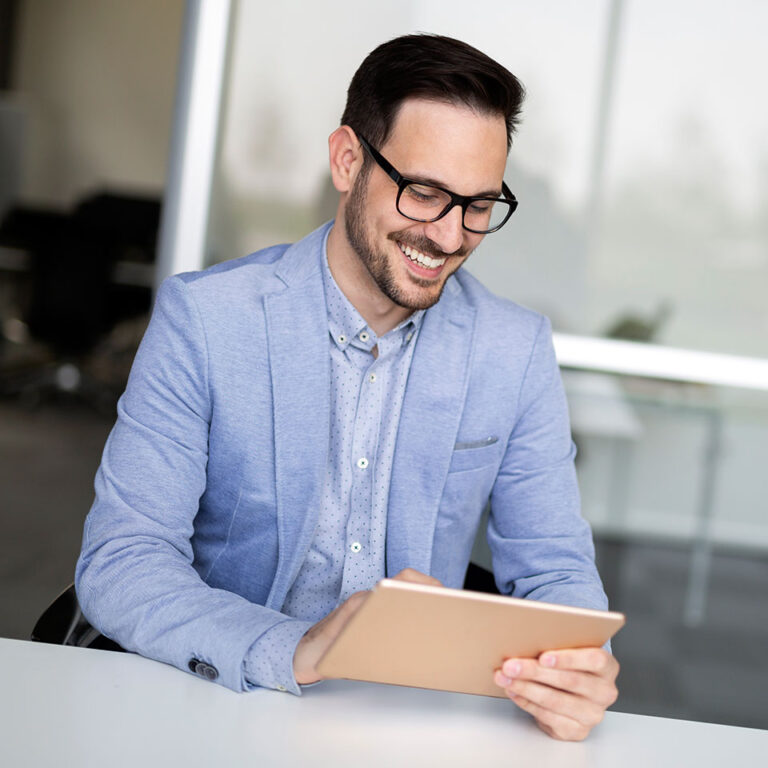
x=319 y=637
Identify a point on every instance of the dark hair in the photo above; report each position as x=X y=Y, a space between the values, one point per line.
x=429 y=67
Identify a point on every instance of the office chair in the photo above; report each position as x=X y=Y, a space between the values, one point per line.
x=73 y=302
x=64 y=308
x=479 y=579
x=63 y=623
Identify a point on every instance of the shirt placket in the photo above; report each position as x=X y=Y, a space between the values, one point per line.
x=357 y=561
x=393 y=367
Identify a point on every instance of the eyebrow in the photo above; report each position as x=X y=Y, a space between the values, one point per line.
x=430 y=182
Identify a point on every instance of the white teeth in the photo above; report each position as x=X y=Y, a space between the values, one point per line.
x=421 y=258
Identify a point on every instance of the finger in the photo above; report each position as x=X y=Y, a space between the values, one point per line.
x=332 y=624
x=576 y=708
x=344 y=612
x=595 y=660
x=319 y=637
x=556 y=725
x=587 y=684
x=417 y=577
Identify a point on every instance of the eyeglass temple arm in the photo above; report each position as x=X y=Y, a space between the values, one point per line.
x=385 y=165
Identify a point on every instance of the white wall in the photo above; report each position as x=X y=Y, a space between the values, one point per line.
x=97 y=81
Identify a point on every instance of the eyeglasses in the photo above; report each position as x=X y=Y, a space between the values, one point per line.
x=424 y=202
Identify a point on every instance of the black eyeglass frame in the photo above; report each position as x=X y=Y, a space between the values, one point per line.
x=461 y=200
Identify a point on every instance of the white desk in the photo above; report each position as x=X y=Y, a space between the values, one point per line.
x=63 y=706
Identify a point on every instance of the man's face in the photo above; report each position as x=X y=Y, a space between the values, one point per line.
x=440 y=144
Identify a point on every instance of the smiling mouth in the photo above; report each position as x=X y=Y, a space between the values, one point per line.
x=427 y=262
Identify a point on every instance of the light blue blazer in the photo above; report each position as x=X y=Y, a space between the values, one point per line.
x=211 y=480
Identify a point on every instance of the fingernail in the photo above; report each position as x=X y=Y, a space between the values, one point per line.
x=512 y=668
x=501 y=679
x=549 y=660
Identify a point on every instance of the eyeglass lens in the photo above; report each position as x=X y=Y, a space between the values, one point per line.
x=425 y=203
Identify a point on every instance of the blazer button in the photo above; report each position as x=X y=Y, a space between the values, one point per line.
x=208 y=671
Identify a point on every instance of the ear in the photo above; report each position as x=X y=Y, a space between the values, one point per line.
x=346 y=157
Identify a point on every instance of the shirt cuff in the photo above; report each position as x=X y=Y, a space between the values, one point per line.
x=269 y=661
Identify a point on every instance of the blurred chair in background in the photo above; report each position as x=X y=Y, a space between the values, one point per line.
x=88 y=272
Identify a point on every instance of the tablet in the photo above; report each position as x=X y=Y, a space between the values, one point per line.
x=452 y=639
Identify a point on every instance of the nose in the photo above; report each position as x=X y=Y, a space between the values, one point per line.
x=447 y=232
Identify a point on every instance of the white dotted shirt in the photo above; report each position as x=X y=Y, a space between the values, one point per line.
x=347 y=553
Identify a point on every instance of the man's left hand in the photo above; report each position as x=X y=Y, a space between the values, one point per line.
x=567 y=691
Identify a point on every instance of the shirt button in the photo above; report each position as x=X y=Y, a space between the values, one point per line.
x=364 y=336
x=372 y=378
x=281 y=688
x=409 y=336
x=355 y=546
x=342 y=339
x=362 y=463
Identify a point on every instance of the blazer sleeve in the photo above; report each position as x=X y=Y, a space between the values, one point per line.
x=541 y=546
x=135 y=580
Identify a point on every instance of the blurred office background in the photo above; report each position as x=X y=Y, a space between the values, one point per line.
x=641 y=168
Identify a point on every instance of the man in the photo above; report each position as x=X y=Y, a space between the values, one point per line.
x=301 y=423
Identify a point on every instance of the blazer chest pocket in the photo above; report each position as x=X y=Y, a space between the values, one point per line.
x=473 y=454
x=465 y=493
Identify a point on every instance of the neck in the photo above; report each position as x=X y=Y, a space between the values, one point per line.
x=355 y=282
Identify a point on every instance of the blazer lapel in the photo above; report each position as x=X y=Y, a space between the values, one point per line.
x=429 y=423
x=297 y=329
